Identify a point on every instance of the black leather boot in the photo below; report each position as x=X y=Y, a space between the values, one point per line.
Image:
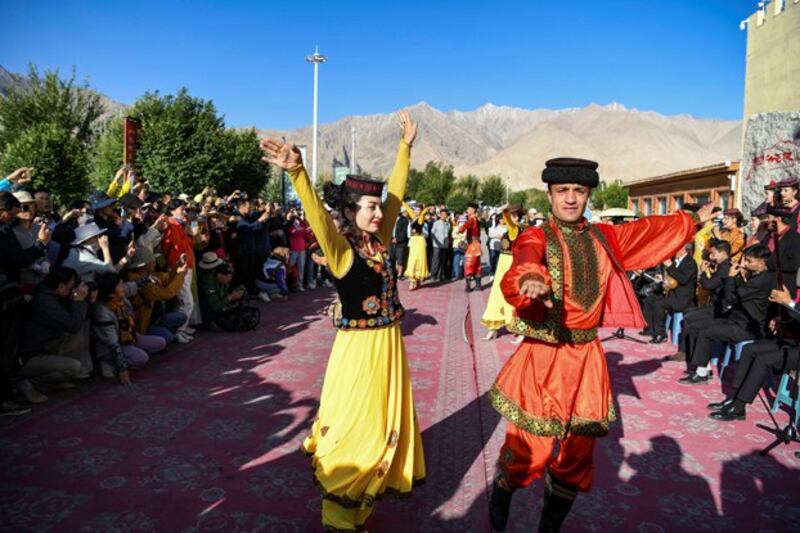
x=478 y=282
x=469 y=284
x=499 y=507
x=558 y=500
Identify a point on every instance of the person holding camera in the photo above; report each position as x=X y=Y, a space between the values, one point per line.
x=246 y=257
x=54 y=346
x=216 y=298
x=27 y=232
x=297 y=229
x=179 y=241
x=15 y=257
x=119 y=347
x=149 y=302
x=16 y=180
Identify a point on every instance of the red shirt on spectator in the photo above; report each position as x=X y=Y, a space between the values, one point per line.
x=298 y=233
x=176 y=242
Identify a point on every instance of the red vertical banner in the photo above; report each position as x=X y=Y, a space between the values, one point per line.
x=130 y=140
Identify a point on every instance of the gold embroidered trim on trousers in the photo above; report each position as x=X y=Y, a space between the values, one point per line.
x=549 y=427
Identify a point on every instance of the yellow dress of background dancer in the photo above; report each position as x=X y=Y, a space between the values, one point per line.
x=417 y=265
x=365 y=442
x=498 y=312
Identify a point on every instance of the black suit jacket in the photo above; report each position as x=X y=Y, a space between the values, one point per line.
x=790 y=260
x=686 y=276
x=748 y=301
x=715 y=285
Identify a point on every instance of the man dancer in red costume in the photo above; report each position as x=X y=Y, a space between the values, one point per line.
x=568 y=278
x=472 y=256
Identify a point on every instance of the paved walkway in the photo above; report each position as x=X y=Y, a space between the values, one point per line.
x=208 y=438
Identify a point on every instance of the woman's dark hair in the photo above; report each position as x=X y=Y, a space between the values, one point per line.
x=758 y=251
x=59 y=275
x=739 y=219
x=106 y=285
x=336 y=197
x=473 y=205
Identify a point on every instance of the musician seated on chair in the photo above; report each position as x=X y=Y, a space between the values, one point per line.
x=712 y=279
x=747 y=294
x=780 y=353
x=680 y=280
x=779 y=219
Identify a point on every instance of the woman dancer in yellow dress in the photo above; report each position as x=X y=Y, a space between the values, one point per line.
x=365 y=441
x=417 y=267
x=498 y=312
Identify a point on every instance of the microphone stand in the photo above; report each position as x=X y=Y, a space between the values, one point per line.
x=788 y=434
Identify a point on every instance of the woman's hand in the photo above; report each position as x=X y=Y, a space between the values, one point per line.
x=408 y=126
x=283 y=155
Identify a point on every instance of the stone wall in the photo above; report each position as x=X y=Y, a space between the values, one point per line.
x=771 y=152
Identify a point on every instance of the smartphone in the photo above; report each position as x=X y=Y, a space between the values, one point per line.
x=194 y=224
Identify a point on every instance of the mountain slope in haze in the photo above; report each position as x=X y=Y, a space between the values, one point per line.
x=515 y=143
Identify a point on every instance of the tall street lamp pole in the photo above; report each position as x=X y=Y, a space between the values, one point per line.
x=353 y=149
x=316 y=59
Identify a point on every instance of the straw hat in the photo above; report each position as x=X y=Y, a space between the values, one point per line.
x=210 y=261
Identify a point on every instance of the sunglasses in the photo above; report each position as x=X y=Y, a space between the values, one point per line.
x=27 y=207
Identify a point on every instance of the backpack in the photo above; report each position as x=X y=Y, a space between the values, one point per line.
x=239 y=318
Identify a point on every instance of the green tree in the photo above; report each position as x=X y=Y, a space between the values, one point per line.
x=537 y=199
x=493 y=191
x=183 y=147
x=416 y=182
x=457 y=201
x=107 y=158
x=439 y=180
x=607 y=196
x=60 y=161
x=49 y=123
x=518 y=198
x=48 y=99
x=469 y=186
x=247 y=172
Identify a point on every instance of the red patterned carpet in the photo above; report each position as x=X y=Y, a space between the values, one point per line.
x=208 y=440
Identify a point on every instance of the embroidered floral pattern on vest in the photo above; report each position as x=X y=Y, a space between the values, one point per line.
x=584 y=287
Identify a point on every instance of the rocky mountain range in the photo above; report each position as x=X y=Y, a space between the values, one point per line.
x=629 y=144
x=514 y=143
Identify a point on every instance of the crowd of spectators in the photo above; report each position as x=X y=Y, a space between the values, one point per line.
x=108 y=281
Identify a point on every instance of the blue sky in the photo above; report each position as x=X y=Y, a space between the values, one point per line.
x=671 y=56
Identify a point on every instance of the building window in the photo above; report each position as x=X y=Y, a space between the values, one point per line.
x=648 y=206
x=703 y=198
x=725 y=200
x=662 y=205
x=678 y=202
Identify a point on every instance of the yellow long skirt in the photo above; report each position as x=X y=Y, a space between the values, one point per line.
x=498 y=312
x=365 y=441
x=417 y=266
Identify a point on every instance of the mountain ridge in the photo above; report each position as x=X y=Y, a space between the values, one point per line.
x=515 y=142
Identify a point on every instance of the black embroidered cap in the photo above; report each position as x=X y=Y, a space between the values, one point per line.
x=364 y=186
x=571 y=170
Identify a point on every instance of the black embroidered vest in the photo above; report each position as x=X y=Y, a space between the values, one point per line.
x=505 y=244
x=368 y=294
